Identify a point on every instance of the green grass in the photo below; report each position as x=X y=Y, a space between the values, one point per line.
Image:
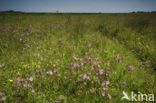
x=69 y=46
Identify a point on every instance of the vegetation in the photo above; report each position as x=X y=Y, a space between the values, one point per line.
x=76 y=58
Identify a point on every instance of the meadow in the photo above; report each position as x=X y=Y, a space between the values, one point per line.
x=76 y=58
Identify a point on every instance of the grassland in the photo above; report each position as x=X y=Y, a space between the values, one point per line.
x=76 y=58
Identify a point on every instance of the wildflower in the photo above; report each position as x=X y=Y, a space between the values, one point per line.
x=26 y=85
x=39 y=71
x=89 y=45
x=109 y=96
x=38 y=47
x=100 y=71
x=3 y=98
x=147 y=63
x=92 y=68
x=130 y=68
x=96 y=63
x=65 y=77
x=123 y=84
x=75 y=57
x=32 y=91
x=76 y=65
x=104 y=88
x=92 y=90
x=86 y=77
x=55 y=70
x=105 y=83
x=19 y=83
x=119 y=58
x=2 y=65
x=41 y=58
x=82 y=63
x=10 y=80
x=54 y=65
x=88 y=58
x=97 y=58
x=102 y=93
x=22 y=34
x=1 y=94
x=31 y=79
x=49 y=72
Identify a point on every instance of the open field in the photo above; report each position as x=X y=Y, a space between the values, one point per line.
x=76 y=58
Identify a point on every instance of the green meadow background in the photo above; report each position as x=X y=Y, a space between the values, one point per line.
x=76 y=58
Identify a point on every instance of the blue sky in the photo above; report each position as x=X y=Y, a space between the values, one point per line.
x=78 y=5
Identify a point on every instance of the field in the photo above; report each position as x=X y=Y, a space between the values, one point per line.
x=76 y=58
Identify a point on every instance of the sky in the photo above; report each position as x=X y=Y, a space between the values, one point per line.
x=78 y=5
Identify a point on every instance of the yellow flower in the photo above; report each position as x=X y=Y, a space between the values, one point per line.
x=10 y=80
x=38 y=66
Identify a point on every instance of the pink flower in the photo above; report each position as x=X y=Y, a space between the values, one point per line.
x=31 y=79
x=41 y=58
x=96 y=63
x=88 y=58
x=92 y=68
x=109 y=96
x=102 y=93
x=19 y=83
x=75 y=57
x=123 y=84
x=130 y=68
x=55 y=70
x=86 y=77
x=89 y=45
x=39 y=71
x=76 y=65
x=54 y=65
x=24 y=85
x=147 y=63
x=92 y=90
x=38 y=47
x=1 y=94
x=22 y=34
x=105 y=83
x=82 y=63
x=100 y=71
x=32 y=91
x=49 y=72
x=104 y=88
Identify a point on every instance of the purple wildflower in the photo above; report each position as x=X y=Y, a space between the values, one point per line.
x=32 y=91
x=31 y=79
x=92 y=90
x=76 y=65
x=86 y=77
x=105 y=83
x=109 y=96
x=88 y=58
x=92 y=68
x=100 y=71
x=49 y=72
x=102 y=93
x=130 y=68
